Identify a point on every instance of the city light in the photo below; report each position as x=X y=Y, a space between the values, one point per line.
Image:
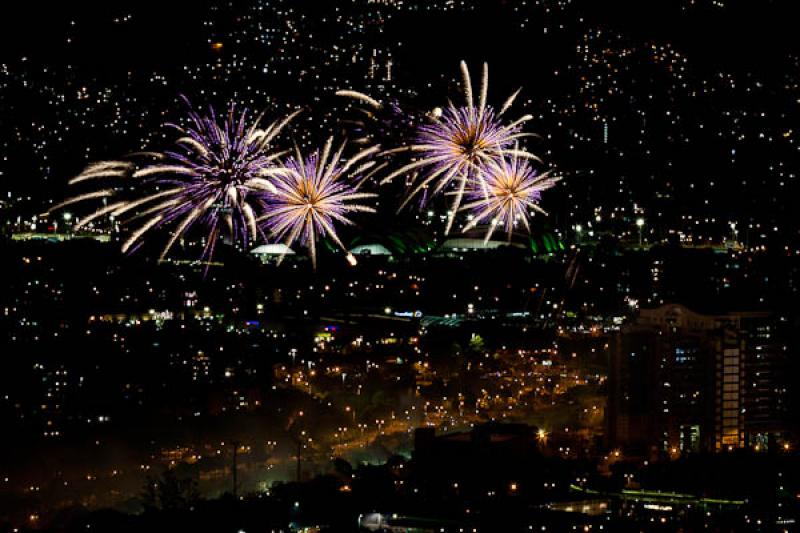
x=353 y=278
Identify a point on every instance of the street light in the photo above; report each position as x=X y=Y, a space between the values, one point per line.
x=67 y=219
x=640 y=225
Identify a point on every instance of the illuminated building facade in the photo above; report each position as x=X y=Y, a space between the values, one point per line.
x=681 y=381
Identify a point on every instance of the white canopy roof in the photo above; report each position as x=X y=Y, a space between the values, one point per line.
x=272 y=249
x=370 y=249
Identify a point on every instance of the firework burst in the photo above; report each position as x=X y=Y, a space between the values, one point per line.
x=315 y=193
x=212 y=179
x=508 y=192
x=457 y=142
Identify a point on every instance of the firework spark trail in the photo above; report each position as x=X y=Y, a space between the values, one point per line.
x=163 y=169
x=214 y=176
x=97 y=214
x=133 y=204
x=103 y=193
x=360 y=96
x=184 y=225
x=509 y=190
x=141 y=231
x=313 y=195
x=103 y=169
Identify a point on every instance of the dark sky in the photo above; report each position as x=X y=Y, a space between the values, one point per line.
x=749 y=32
x=165 y=30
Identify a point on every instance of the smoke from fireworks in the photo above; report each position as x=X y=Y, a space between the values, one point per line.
x=509 y=189
x=211 y=180
x=370 y=122
x=374 y=123
x=315 y=193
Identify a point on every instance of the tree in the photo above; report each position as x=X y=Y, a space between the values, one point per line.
x=169 y=492
x=476 y=344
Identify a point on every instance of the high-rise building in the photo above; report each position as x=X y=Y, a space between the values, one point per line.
x=681 y=381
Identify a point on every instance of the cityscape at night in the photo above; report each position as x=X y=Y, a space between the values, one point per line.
x=400 y=265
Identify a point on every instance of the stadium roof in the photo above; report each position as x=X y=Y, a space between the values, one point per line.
x=272 y=249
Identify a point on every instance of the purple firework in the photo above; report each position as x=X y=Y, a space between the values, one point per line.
x=508 y=192
x=456 y=144
x=313 y=194
x=211 y=181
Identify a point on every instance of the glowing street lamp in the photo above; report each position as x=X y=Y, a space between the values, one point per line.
x=67 y=219
x=640 y=225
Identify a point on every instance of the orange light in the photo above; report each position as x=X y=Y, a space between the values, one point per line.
x=216 y=46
